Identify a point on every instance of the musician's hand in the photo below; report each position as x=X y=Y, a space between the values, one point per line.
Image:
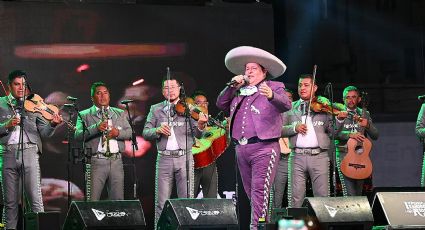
x=301 y=128
x=14 y=121
x=357 y=136
x=163 y=129
x=113 y=133
x=364 y=123
x=202 y=121
x=57 y=119
x=266 y=90
x=226 y=123
x=342 y=115
x=240 y=79
x=102 y=126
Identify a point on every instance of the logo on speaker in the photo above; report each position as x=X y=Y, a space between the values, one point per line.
x=196 y=213
x=417 y=208
x=193 y=213
x=99 y=214
x=331 y=210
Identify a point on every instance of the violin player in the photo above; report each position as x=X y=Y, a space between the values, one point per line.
x=35 y=127
x=356 y=129
x=107 y=129
x=174 y=144
x=255 y=104
x=308 y=134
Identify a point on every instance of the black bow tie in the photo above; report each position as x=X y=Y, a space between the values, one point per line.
x=303 y=107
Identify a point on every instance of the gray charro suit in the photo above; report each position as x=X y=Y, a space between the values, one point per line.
x=301 y=164
x=352 y=187
x=104 y=169
x=420 y=132
x=168 y=167
x=35 y=127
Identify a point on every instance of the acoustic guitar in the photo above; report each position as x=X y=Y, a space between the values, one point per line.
x=210 y=146
x=357 y=164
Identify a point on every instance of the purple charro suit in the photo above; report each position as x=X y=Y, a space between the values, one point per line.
x=259 y=120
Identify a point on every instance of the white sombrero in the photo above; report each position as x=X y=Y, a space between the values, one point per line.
x=237 y=58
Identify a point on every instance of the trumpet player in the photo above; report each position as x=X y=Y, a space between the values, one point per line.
x=107 y=129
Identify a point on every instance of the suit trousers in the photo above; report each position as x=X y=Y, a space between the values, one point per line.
x=350 y=187
x=301 y=165
x=257 y=164
x=11 y=177
x=106 y=170
x=280 y=180
x=207 y=178
x=169 y=168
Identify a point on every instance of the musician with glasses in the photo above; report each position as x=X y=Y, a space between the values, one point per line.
x=206 y=176
x=174 y=140
x=107 y=129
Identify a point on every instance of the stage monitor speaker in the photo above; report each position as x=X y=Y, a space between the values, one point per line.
x=108 y=214
x=399 y=210
x=340 y=213
x=198 y=213
x=42 y=221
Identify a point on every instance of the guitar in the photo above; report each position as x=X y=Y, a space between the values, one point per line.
x=357 y=164
x=210 y=146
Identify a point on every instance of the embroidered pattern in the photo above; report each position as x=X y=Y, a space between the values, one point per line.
x=267 y=184
x=255 y=110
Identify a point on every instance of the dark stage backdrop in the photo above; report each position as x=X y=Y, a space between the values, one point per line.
x=66 y=47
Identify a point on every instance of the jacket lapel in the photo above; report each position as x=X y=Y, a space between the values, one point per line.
x=296 y=109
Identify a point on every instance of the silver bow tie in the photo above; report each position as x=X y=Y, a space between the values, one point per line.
x=248 y=90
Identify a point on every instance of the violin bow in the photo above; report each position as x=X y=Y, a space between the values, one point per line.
x=169 y=99
x=8 y=98
x=311 y=92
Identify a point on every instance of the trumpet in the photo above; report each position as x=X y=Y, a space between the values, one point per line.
x=105 y=138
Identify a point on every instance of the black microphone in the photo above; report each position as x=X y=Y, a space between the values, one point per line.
x=69 y=98
x=234 y=82
x=421 y=98
x=124 y=102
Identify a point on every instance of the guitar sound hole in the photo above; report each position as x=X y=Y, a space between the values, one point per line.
x=359 y=149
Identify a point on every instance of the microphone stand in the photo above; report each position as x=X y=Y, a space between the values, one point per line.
x=134 y=148
x=236 y=196
x=21 y=149
x=333 y=146
x=70 y=150
x=188 y=121
x=85 y=157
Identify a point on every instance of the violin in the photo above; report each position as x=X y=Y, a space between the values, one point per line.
x=35 y=104
x=320 y=107
x=188 y=104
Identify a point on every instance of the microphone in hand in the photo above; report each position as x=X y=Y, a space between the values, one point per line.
x=235 y=82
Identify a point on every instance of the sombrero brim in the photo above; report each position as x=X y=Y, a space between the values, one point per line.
x=237 y=58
